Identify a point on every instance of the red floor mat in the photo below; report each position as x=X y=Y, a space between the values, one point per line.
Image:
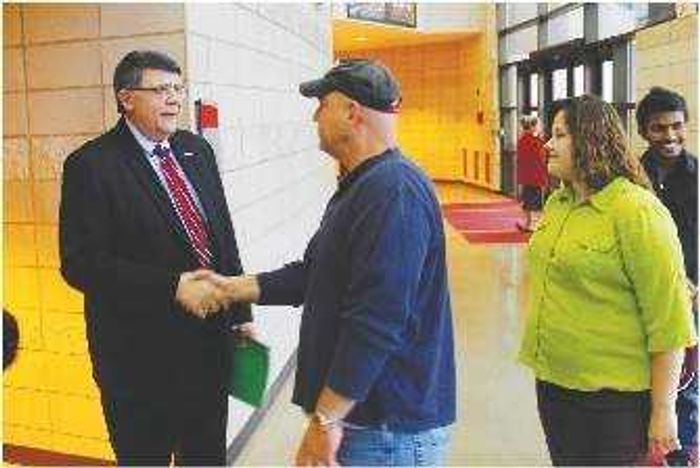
x=487 y=223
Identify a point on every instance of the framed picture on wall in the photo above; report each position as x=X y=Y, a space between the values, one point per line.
x=400 y=14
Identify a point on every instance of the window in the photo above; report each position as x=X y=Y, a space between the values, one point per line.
x=552 y=6
x=565 y=27
x=509 y=86
x=517 y=45
x=607 y=81
x=618 y=18
x=401 y=14
x=559 y=84
x=578 y=80
x=534 y=90
x=519 y=12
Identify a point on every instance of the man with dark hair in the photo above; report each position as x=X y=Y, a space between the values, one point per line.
x=142 y=207
x=662 y=116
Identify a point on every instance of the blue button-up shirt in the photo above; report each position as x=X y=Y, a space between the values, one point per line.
x=377 y=323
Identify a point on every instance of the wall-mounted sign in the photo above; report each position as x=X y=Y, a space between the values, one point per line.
x=401 y=14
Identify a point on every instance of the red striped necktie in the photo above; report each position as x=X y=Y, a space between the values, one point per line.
x=184 y=205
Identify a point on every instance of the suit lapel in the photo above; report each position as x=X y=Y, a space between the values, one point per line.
x=147 y=178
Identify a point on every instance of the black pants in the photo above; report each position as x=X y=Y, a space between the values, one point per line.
x=149 y=432
x=531 y=198
x=600 y=428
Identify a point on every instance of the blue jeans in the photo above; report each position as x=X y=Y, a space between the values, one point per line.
x=381 y=447
x=687 y=410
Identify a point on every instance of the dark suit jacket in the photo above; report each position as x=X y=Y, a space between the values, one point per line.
x=122 y=245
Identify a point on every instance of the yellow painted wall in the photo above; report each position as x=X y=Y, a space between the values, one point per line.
x=57 y=66
x=444 y=87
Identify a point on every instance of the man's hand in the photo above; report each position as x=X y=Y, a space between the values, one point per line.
x=322 y=439
x=320 y=445
x=247 y=330
x=197 y=295
x=234 y=288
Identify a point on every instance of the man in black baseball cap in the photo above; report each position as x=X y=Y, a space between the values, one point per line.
x=368 y=82
x=381 y=239
x=375 y=362
x=358 y=107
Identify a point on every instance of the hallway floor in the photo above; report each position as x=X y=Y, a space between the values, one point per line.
x=497 y=419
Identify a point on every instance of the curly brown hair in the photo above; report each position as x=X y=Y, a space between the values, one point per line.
x=601 y=147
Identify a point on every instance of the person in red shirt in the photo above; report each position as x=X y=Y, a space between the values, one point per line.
x=532 y=171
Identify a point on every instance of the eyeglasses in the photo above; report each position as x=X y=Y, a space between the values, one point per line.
x=163 y=90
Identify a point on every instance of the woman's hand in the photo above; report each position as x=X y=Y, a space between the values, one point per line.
x=663 y=432
x=663 y=426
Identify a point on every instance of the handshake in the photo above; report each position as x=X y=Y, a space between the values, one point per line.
x=204 y=292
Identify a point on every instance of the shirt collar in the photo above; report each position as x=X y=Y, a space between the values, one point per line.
x=601 y=200
x=146 y=143
x=651 y=157
x=346 y=181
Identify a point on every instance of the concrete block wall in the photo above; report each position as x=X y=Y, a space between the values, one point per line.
x=249 y=59
x=667 y=55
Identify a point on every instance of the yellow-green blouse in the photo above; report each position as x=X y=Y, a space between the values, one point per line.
x=607 y=289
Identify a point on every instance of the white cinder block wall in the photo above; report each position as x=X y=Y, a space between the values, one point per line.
x=248 y=59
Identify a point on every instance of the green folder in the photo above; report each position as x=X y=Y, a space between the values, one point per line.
x=250 y=366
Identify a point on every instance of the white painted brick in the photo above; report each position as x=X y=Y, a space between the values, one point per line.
x=198 y=58
x=225 y=63
x=246 y=61
x=215 y=20
x=276 y=180
x=247 y=27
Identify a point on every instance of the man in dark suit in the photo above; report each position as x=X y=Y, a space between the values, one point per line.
x=142 y=207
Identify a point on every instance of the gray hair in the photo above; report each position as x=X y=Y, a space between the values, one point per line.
x=129 y=71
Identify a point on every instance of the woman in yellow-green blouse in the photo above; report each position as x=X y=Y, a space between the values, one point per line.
x=609 y=315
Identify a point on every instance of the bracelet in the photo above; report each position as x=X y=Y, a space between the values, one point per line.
x=323 y=420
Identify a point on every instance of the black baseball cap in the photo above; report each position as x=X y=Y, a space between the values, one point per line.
x=366 y=81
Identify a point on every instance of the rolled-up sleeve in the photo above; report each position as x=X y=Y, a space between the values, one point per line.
x=388 y=243
x=653 y=260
